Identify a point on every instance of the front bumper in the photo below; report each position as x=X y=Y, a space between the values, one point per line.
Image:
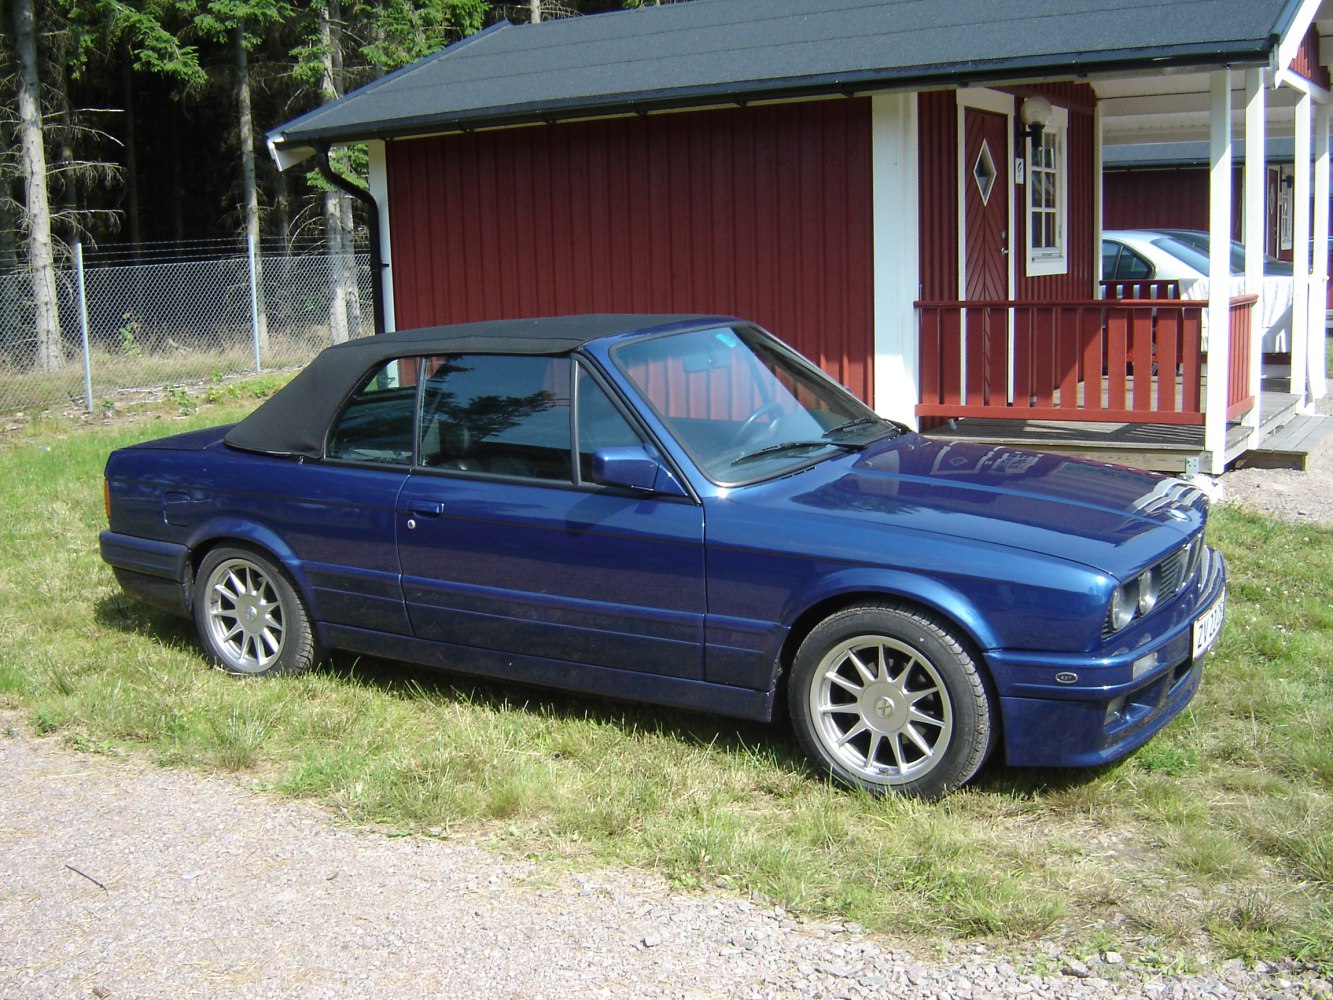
x=1071 y=711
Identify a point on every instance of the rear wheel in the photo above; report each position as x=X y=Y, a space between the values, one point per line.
x=249 y=617
x=885 y=698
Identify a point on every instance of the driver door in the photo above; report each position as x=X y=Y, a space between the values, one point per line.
x=506 y=545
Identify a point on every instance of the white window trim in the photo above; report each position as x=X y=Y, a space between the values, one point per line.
x=1050 y=261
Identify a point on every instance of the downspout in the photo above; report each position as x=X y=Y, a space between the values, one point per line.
x=372 y=224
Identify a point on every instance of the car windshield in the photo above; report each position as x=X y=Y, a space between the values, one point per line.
x=1191 y=255
x=1192 y=248
x=745 y=407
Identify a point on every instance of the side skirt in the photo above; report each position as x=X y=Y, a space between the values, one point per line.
x=628 y=685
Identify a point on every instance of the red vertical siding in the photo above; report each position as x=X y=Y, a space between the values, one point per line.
x=937 y=168
x=1307 y=62
x=1164 y=199
x=1079 y=281
x=759 y=212
x=938 y=165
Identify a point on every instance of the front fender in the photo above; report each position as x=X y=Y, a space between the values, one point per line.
x=924 y=591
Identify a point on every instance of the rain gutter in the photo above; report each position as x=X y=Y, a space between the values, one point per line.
x=372 y=224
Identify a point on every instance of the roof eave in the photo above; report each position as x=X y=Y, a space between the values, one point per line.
x=290 y=144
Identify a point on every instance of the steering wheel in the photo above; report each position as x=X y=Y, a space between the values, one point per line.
x=750 y=426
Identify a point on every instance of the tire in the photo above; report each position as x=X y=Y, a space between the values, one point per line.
x=885 y=698
x=250 y=618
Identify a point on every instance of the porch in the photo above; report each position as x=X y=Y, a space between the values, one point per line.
x=1119 y=379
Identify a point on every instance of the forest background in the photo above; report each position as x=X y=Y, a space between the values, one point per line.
x=130 y=122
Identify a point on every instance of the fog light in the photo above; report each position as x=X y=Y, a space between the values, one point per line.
x=1114 y=710
x=1145 y=665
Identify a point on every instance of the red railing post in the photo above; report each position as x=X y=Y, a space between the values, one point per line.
x=1239 y=398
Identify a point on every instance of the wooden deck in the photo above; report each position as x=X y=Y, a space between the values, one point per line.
x=1162 y=447
x=1294 y=446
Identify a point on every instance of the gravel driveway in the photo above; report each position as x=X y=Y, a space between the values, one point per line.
x=118 y=880
x=121 y=880
x=1301 y=497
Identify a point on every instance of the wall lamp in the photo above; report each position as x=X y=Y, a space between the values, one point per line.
x=1035 y=114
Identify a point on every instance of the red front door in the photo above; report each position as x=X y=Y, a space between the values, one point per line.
x=985 y=183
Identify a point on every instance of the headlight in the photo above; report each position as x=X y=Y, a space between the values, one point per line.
x=1134 y=599
x=1147 y=585
x=1160 y=582
x=1124 y=603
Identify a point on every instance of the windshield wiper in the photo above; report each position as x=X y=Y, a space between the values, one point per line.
x=774 y=449
x=865 y=421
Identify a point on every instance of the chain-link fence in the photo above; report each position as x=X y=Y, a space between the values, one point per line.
x=155 y=325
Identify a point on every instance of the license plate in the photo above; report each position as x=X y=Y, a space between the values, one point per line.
x=1207 y=626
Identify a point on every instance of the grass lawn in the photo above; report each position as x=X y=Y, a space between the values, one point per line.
x=1215 y=840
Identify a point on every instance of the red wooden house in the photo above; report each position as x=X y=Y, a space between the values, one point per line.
x=907 y=192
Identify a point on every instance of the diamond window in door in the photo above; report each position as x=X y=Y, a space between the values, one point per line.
x=984 y=173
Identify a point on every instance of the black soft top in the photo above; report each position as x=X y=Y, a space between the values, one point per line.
x=295 y=419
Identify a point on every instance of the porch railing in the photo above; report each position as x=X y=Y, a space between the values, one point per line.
x=1147 y=289
x=1240 y=399
x=1111 y=360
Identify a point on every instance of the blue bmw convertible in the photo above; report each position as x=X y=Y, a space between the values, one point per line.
x=683 y=511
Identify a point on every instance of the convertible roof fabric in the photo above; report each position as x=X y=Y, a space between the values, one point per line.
x=295 y=420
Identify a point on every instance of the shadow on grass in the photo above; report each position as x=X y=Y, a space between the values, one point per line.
x=401 y=679
x=410 y=681
x=404 y=680
x=124 y=613
x=1024 y=783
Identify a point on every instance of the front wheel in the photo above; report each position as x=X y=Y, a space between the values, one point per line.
x=885 y=698
x=249 y=616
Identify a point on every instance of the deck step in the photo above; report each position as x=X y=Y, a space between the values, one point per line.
x=1299 y=442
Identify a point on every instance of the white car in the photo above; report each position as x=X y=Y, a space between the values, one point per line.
x=1169 y=255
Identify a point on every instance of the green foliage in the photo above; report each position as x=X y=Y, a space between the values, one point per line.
x=408 y=30
x=149 y=30
x=352 y=162
x=219 y=19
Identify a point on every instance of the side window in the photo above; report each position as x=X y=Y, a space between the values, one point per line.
x=1110 y=251
x=1047 y=198
x=1132 y=267
x=506 y=415
x=600 y=423
x=376 y=424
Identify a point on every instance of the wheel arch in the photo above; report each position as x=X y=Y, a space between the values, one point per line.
x=944 y=614
x=244 y=534
x=930 y=597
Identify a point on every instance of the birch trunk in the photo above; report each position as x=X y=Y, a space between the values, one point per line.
x=41 y=259
x=251 y=190
x=337 y=205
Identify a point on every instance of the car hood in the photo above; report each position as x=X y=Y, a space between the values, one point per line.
x=1101 y=515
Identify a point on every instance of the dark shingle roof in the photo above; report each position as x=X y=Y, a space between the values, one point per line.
x=722 y=51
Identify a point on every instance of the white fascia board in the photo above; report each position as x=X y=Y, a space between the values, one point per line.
x=287 y=157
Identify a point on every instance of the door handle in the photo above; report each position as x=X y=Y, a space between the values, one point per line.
x=427 y=508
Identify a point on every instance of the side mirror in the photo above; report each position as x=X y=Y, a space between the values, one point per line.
x=634 y=467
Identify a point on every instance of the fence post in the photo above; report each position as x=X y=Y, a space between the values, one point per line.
x=254 y=300
x=83 y=329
